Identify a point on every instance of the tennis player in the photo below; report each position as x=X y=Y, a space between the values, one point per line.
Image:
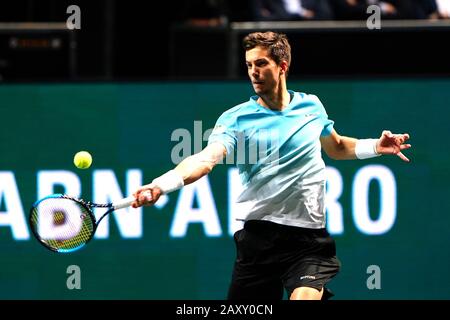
x=284 y=244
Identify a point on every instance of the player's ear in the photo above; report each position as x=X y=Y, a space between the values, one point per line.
x=284 y=66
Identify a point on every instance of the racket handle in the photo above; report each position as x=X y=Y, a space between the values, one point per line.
x=124 y=203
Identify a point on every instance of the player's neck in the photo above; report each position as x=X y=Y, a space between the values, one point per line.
x=276 y=100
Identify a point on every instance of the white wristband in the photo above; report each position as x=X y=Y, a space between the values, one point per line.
x=169 y=181
x=366 y=148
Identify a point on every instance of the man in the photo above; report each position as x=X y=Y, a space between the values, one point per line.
x=284 y=243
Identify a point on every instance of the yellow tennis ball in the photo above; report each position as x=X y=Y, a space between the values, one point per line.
x=82 y=160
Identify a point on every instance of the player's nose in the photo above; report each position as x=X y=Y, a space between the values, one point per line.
x=254 y=72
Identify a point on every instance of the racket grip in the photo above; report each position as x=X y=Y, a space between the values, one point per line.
x=124 y=203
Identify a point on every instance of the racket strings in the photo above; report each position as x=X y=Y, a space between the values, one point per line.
x=62 y=224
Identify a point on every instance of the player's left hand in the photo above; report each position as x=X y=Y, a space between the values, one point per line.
x=390 y=143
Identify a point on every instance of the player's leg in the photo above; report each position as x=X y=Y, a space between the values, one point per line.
x=255 y=273
x=256 y=287
x=306 y=293
x=306 y=280
x=309 y=268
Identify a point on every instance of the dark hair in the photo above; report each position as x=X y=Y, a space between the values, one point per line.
x=276 y=43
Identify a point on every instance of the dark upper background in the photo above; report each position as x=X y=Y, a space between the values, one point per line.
x=150 y=40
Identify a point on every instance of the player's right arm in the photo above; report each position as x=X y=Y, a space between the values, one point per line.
x=198 y=165
x=187 y=171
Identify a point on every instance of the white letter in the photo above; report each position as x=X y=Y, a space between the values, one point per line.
x=107 y=189
x=240 y=149
x=206 y=213
x=184 y=146
x=74 y=281
x=74 y=21
x=236 y=210
x=47 y=180
x=253 y=147
x=335 y=217
x=388 y=194
x=374 y=21
x=13 y=216
x=206 y=134
x=198 y=137
x=67 y=179
x=48 y=229
x=374 y=281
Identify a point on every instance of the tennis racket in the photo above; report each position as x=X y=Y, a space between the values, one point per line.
x=65 y=224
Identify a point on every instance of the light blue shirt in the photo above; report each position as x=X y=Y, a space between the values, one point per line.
x=278 y=154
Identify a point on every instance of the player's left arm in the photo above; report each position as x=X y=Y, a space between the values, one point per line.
x=341 y=147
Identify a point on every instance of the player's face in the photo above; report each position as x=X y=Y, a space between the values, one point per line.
x=263 y=71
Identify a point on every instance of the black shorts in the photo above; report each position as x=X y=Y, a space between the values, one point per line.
x=272 y=257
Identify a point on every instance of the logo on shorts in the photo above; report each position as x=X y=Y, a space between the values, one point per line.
x=307 y=277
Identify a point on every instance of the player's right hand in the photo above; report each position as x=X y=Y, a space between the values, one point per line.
x=146 y=195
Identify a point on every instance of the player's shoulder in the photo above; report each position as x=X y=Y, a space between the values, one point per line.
x=304 y=96
x=308 y=99
x=237 y=110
